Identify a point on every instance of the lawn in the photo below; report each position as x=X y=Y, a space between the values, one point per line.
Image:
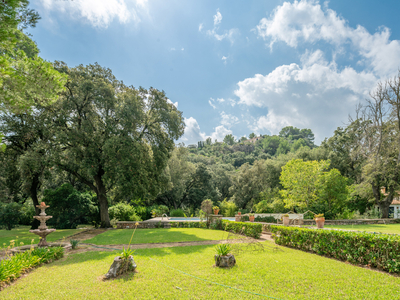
x=160 y=235
x=389 y=228
x=287 y=274
x=23 y=234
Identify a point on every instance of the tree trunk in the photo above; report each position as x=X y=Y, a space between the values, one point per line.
x=384 y=203
x=102 y=198
x=33 y=193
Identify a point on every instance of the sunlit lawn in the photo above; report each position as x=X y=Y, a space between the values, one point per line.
x=389 y=228
x=158 y=235
x=23 y=234
x=287 y=274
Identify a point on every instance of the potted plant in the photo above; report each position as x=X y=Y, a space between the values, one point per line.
x=216 y=210
x=223 y=258
x=285 y=219
x=320 y=220
x=251 y=217
x=239 y=212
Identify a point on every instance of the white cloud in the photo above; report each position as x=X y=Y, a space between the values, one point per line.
x=217 y=18
x=175 y=104
x=315 y=94
x=224 y=58
x=99 y=13
x=201 y=27
x=306 y=22
x=220 y=100
x=228 y=120
x=193 y=133
x=211 y=102
x=227 y=34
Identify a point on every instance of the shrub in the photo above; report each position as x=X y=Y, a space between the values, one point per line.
x=27 y=213
x=123 y=212
x=10 y=215
x=206 y=206
x=375 y=250
x=249 y=229
x=269 y=219
x=188 y=224
x=228 y=208
x=245 y=218
x=177 y=213
x=158 y=210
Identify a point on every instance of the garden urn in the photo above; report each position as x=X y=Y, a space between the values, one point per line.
x=251 y=218
x=286 y=221
x=216 y=211
x=320 y=222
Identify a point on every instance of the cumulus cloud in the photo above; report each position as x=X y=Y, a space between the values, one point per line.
x=99 y=13
x=193 y=133
x=217 y=18
x=211 y=102
x=201 y=27
x=228 y=120
x=305 y=21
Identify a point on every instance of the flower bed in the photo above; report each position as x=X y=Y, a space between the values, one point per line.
x=13 y=266
x=380 y=251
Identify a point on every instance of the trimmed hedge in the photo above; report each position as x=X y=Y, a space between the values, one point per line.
x=188 y=224
x=249 y=229
x=380 y=251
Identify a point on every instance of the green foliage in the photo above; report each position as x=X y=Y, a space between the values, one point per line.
x=223 y=249
x=206 y=206
x=27 y=213
x=249 y=229
x=10 y=215
x=229 y=139
x=188 y=224
x=74 y=243
x=228 y=208
x=265 y=219
x=16 y=265
x=368 y=249
x=123 y=212
x=126 y=253
x=177 y=213
x=69 y=207
x=158 y=210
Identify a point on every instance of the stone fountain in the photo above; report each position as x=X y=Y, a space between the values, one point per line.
x=43 y=231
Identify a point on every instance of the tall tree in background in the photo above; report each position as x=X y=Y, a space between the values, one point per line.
x=229 y=139
x=109 y=134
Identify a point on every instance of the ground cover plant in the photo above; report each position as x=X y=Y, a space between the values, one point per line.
x=24 y=236
x=158 y=235
x=383 y=228
x=380 y=251
x=281 y=274
x=14 y=265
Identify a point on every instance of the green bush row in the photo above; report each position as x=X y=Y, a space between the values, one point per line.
x=380 y=251
x=188 y=225
x=13 y=266
x=249 y=229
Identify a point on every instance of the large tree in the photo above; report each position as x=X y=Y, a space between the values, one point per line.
x=109 y=134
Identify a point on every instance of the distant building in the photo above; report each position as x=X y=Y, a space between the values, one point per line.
x=254 y=139
x=394 y=208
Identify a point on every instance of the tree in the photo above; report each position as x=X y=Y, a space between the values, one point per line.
x=109 y=134
x=252 y=135
x=299 y=180
x=25 y=78
x=229 y=139
x=10 y=215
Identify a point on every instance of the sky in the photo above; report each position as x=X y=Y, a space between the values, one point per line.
x=234 y=67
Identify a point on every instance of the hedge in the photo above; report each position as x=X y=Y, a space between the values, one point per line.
x=380 y=251
x=249 y=229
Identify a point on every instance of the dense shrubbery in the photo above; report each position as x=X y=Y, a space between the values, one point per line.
x=249 y=229
x=20 y=263
x=177 y=213
x=375 y=250
x=70 y=207
x=265 y=219
x=10 y=215
x=228 y=208
x=123 y=212
x=188 y=224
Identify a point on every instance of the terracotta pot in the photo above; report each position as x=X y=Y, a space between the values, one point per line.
x=251 y=218
x=239 y=213
x=286 y=221
x=216 y=211
x=320 y=222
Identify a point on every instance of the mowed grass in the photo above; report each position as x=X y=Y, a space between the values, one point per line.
x=24 y=236
x=158 y=235
x=389 y=228
x=287 y=274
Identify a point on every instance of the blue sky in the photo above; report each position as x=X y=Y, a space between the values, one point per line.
x=234 y=66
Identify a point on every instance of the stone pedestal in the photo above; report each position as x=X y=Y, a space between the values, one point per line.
x=226 y=261
x=121 y=266
x=238 y=218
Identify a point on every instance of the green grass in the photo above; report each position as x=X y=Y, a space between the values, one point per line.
x=389 y=228
x=159 y=235
x=287 y=274
x=23 y=234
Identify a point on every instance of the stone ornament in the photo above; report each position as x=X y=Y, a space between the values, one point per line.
x=121 y=266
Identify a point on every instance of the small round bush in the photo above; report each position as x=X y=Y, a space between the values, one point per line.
x=176 y=213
